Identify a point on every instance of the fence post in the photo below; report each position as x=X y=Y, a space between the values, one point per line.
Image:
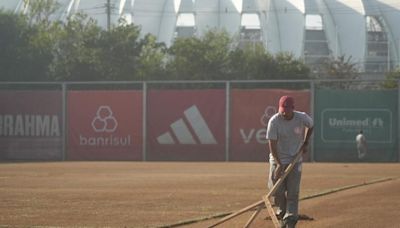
x=144 y=121
x=64 y=119
x=312 y=110
x=227 y=119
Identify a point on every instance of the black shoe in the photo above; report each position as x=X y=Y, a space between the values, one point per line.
x=289 y=223
x=282 y=223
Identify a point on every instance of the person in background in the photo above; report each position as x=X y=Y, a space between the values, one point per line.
x=288 y=132
x=361 y=145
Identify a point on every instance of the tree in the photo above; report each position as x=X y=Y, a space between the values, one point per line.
x=252 y=62
x=342 y=68
x=34 y=48
x=28 y=41
x=152 y=59
x=391 y=79
x=26 y=49
x=204 y=58
x=44 y=33
x=86 y=52
x=40 y=11
x=13 y=43
x=76 y=54
x=339 y=68
x=290 y=68
x=119 y=51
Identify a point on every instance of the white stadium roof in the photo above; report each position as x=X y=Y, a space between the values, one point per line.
x=366 y=30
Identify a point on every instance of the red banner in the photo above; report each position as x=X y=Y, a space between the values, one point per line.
x=186 y=125
x=105 y=125
x=250 y=112
x=30 y=125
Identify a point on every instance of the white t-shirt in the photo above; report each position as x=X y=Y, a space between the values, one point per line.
x=289 y=133
x=360 y=139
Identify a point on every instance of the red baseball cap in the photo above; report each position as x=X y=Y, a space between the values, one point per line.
x=286 y=103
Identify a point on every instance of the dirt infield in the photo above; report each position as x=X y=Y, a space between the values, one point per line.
x=159 y=194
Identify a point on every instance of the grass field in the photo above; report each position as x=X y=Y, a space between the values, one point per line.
x=189 y=194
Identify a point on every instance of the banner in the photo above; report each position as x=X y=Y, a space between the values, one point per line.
x=343 y=114
x=30 y=125
x=186 y=125
x=250 y=113
x=104 y=125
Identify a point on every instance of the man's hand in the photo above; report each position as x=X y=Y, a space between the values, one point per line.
x=304 y=147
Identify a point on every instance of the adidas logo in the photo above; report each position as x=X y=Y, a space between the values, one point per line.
x=184 y=135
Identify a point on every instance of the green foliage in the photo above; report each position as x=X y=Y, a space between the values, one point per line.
x=40 y=11
x=119 y=50
x=291 y=68
x=204 y=58
x=340 y=68
x=87 y=53
x=151 y=62
x=252 y=62
x=13 y=43
x=35 y=48
x=76 y=54
x=212 y=57
x=391 y=79
x=26 y=50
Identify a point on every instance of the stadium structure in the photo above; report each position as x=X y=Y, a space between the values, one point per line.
x=365 y=30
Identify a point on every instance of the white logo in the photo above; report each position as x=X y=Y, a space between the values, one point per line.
x=268 y=113
x=258 y=134
x=21 y=125
x=377 y=122
x=182 y=132
x=104 y=121
x=356 y=123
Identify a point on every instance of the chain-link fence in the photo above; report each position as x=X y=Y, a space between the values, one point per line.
x=192 y=120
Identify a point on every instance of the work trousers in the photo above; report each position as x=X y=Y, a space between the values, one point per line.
x=286 y=197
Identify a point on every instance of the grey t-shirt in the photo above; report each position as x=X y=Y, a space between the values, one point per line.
x=289 y=133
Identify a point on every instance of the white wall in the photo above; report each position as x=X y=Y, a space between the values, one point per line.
x=349 y=19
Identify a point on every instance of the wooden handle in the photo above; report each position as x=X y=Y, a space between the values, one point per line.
x=287 y=171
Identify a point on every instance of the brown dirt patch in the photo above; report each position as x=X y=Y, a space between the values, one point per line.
x=151 y=194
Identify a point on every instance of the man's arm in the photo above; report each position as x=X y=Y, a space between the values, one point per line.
x=309 y=132
x=273 y=150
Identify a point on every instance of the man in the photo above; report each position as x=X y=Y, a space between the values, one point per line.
x=288 y=132
x=361 y=145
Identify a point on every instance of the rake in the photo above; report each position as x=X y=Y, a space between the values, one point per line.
x=258 y=206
